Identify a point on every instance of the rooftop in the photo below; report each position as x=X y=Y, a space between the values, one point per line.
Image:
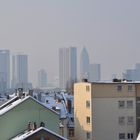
x=27 y=134
x=9 y=105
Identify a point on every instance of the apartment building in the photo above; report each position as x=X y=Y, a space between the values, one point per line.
x=20 y=112
x=107 y=110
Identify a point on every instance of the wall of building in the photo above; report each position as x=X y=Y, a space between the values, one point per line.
x=109 y=90
x=105 y=111
x=16 y=120
x=81 y=112
x=106 y=114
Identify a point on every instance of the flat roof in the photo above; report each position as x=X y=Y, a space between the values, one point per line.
x=111 y=82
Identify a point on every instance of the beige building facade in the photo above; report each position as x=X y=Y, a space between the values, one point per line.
x=108 y=111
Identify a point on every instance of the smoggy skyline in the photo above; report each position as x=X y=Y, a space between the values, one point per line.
x=109 y=30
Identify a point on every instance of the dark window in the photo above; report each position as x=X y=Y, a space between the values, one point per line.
x=132 y=136
x=71 y=132
x=88 y=104
x=130 y=104
x=119 y=87
x=88 y=120
x=130 y=120
x=87 y=88
x=121 y=120
x=122 y=136
x=130 y=87
x=128 y=136
x=88 y=135
x=121 y=104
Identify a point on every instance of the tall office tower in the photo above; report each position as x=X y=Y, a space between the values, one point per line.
x=4 y=69
x=84 y=64
x=20 y=71
x=94 y=72
x=42 y=78
x=67 y=67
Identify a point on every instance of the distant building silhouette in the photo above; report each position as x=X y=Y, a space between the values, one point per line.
x=42 y=78
x=84 y=64
x=94 y=72
x=67 y=67
x=133 y=74
x=20 y=71
x=4 y=69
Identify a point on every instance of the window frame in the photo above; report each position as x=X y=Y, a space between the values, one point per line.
x=130 y=118
x=87 y=103
x=130 y=88
x=88 y=120
x=121 y=136
x=121 y=104
x=121 y=120
x=87 y=88
x=119 y=88
x=128 y=104
x=88 y=135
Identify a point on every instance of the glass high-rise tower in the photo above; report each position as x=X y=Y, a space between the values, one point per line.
x=67 y=67
x=19 y=70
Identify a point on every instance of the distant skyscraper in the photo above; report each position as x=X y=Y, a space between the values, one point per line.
x=42 y=78
x=19 y=71
x=133 y=74
x=84 y=64
x=4 y=69
x=94 y=72
x=67 y=67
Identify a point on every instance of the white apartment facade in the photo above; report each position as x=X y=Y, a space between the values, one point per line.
x=106 y=111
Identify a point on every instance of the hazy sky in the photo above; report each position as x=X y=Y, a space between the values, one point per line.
x=110 y=29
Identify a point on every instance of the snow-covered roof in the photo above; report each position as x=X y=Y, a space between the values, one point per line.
x=60 y=106
x=27 y=134
x=19 y=101
x=8 y=102
x=138 y=138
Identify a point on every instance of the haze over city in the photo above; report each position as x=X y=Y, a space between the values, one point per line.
x=109 y=30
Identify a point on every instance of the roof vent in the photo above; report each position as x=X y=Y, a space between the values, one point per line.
x=85 y=80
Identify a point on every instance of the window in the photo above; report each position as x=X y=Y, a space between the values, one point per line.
x=130 y=87
x=88 y=135
x=121 y=104
x=88 y=104
x=42 y=124
x=71 y=132
x=130 y=120
x=121 y=136
x=88 y=120
x=119 y=87
x=130 y=104
x=87 y=88
x=130 y=136
x=121 y=120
